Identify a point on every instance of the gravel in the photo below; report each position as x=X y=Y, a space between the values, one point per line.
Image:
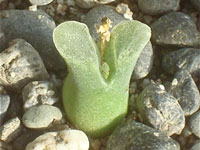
x=194 y=123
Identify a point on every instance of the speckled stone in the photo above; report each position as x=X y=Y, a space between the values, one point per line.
x=133 y=135
x=19 y=64
x=41 y=116
x=160 y=109
x=36 y=27
x=40 y=2
x=175 y=28
x=144 y=63
x=156 y=7
x=194 y=123
x=184 y=89
x=95 y=15
x=91 y=3
x=185 y=58
x=196 y=4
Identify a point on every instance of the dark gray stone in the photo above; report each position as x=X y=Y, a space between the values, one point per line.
x=144 y=63
x=184 y=59
x=156 y=7
x=184 y=89
x=196 y=4
x=36 y=27
x=132 y=135
x=194 y=123
x=176 y=29
x=2 y=41
x=4 y=103
x=160 y=109
x=95 y=15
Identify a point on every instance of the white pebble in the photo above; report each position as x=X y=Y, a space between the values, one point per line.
x=40 y=2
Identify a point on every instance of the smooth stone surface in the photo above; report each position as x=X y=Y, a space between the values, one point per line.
x=91 y=3
x=160 y=109
x=95 y=15
x=196 y=4
x=2 y=40
x=196 y=146
x=40 y=2
x=144 y=62
x=4 y=103
x=36 y=27
x=19 y=64
x=175 y=28
x=194 y=123
x=185 y=58
x=133 y=135
x=156 y=7
x=41 y=116
x=184 y=89
x=39 y=92
x=69 y=139
x=10 y=130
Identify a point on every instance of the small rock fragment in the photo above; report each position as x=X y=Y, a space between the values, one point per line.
x=66 y=139
x=144 y=62
x=157 y=7
x=39 y=92
x=19 y=64
x=10 y=130
x=194 y=123
x=176 y=29
x=41 y=116
x=160 y=109
x=40 y=2
x=186 y=92
x=4 y=103
x=133 y=135
x=91 y=3
x=123 y=9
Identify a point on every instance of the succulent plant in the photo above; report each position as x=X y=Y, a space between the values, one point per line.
x=95 y=92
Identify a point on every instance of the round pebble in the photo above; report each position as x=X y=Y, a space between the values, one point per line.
x=175 y=28
x=41 y=116
x=194 y=123
x=40 y=2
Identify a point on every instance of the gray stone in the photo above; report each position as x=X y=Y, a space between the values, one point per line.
x=176 y=29
x=95 y=15
x=39 y=92
x=4 y=103
x=157 y=7
x=144 y=62
x=91 y=3
x=184 y=59
x=184 y=89
x=37 y=29
x=132 y=135
x=194 y=123
x=41 y=116
x=10 y=130
x=40 y=2
x=2 y=41
x=4 y=145
x=196 y=146
x=160 y=109
x=196 y=4
x=19 y=64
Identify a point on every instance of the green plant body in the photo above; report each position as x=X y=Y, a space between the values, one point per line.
x=95 y=93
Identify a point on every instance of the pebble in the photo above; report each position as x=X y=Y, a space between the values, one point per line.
x=10 y=130
x=2 y=40
x=160 y=109
x=95 y=15
x=37 y=29
x=40 y=2
x=133 y=135
x=91 y=3
x=41 y=116
x=5 y=146
x=184 y=59
x=19 y=64
x=196 y=146
x=194 y=123
x=157 y=7
x=4 y=103
x=196 y=4
x=144 y=62
x=175 y=29
x=184 y=89
x=69 y=139
x=39 y=92
x=123 y=9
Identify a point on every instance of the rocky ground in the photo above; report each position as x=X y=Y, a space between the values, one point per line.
x=164 y=102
